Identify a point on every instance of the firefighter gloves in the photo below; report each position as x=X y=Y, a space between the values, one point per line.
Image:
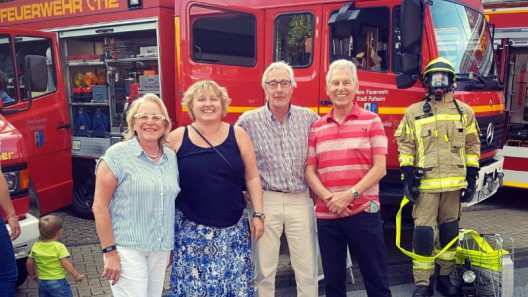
x=471 y=178
x=410 y=189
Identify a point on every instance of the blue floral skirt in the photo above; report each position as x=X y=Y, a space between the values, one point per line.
x=210 y=261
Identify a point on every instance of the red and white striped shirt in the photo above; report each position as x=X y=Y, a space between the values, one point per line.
x=343 y=153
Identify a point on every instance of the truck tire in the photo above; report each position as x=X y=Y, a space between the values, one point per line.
x=22 y=272
x=83 y=188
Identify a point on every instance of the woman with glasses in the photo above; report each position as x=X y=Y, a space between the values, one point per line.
x=135 y=190
x=212 y=252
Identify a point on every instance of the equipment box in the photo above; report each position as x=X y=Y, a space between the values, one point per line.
x=100 y=94
x=149 y=83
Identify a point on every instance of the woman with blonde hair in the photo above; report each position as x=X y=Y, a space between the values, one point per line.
x=212 y=252
x=135 y=190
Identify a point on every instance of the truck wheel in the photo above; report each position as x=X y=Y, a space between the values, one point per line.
x=22 y=272
x=83 y=188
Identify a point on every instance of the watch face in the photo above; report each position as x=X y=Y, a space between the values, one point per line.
x=355 y=194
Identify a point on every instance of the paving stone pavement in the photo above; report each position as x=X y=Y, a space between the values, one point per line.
x=510 y=222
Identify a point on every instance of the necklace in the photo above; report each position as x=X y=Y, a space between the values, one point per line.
x=154 y=156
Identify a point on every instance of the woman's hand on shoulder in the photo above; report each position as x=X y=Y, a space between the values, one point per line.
x=175 y=139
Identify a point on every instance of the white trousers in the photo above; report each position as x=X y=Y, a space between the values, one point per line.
x=294 y=215
x=142 y=273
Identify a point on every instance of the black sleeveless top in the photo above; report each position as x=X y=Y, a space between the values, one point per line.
x=210 y=195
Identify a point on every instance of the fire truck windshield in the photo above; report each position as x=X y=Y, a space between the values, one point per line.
x=463 y=38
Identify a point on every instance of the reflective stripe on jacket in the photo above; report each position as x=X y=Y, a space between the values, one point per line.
x=443 y=142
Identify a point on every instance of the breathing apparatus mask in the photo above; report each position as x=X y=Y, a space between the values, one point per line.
x=438 y=78
x=439 y=83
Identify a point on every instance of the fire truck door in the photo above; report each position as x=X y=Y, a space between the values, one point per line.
x=295 y=37
x=45 y=126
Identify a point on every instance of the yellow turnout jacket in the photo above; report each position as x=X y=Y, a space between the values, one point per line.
x=443 y=142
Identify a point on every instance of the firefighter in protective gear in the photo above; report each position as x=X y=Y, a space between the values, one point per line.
x=440 y=137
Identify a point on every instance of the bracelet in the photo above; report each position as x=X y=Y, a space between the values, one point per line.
x=15 y=218
x=109 y=249
x=260 y=215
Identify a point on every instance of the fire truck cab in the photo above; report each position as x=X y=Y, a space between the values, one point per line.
x=14 y=150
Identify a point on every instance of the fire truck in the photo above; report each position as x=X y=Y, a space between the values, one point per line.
x=109 y=52
x=510 y=20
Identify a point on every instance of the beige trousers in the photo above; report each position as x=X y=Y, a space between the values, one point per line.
x=294 y=215
x=433 y=209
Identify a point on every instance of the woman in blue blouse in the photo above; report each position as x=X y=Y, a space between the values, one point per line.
x=212 y=252
x=135 y=190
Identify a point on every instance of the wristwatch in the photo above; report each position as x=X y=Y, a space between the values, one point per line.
x=355 y=193
x=109 y=249
x=260 y=215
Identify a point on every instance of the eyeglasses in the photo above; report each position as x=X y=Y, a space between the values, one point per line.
x=283 y=83
x=155 y=118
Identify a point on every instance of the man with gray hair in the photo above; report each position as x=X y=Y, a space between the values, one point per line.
x=279 y=131
x=347 y=154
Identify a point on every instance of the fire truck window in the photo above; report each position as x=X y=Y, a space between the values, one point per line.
x=223 y=37
x=363 y=40
x=8 y=90
x=30 y=45
x=293 y=39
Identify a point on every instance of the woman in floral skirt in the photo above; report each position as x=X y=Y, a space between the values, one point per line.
x=216 y=161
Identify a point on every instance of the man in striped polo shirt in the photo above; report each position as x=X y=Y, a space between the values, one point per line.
x=279 y=132
x=346 y=159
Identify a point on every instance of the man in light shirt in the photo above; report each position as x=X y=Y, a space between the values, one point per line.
x=279 y=132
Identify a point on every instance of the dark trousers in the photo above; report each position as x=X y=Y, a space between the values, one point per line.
x=363 y=234
x=8 y=268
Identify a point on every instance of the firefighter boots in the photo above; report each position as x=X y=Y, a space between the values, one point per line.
x=445 y=286
x=423 y=291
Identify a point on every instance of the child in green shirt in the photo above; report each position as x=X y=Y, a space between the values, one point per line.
x=52 y=260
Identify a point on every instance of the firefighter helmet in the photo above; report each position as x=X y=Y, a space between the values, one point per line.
x=439 y=75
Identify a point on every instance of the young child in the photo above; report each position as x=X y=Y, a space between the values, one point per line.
x=51 y=258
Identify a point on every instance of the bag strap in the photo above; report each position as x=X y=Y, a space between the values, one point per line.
x=221 y=155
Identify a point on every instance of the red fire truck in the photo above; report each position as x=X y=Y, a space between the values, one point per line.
x=112 y=51
x=98 y=53
x=510 y=19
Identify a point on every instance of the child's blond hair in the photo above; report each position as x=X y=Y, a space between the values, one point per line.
x=49 y=226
